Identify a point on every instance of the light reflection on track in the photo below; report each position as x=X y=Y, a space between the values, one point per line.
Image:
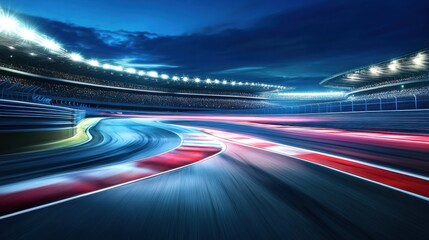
x=403 y=181
x=242 y=193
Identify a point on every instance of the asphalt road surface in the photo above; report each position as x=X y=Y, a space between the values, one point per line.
x=244 y=193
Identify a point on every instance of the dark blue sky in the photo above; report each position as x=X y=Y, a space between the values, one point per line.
x=291 y=42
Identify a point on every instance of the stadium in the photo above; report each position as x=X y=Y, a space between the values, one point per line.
x=395 y=84
x=93 y=148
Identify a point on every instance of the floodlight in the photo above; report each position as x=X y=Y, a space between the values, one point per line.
x=50 y=44
x=175 y=78
x=374 y=70
x=28 y=34
x=185 y=79
x=76 y=57
x=94 y=63
x=216 y=81
x=8 y=24
x=153 y=74
x=197 y=80
x=233 y=83
x=130 y=70
x=141 y=73
x=118 y=68
x=208 y=81
x=353 y=76
x=224 y=82
x=418 y=60
x=393 y=66
x=107 y=66
x=164 y=76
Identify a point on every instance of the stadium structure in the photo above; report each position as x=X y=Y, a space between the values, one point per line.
x=34 y=66
x=401 y=83
x=94 y=150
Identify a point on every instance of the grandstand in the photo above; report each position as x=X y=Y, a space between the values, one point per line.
x=401 y=83
x=36 y=89
x=24 y=43
x=404 y=76
x=408 y=70
x=34 y=67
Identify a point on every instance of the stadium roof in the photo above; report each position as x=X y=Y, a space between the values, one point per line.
x=412 y=65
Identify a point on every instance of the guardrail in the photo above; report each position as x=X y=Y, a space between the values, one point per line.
x=18 y=115
x=25 y=124
x=411 y=102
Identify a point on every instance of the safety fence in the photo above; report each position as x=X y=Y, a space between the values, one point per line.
x=361 y=105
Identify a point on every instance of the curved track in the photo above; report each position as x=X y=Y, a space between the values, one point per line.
x=243 y=193
x=113 y=141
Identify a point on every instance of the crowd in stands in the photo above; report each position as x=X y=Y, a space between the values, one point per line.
x=117 y=80
x=309 y=96
x=420 y=91
x=423 y=76
x=16 y=91
x=75 y=93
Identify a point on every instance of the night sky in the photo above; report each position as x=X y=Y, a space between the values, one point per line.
x=291 y=42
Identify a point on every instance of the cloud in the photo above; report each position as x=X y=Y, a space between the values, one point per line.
x=242 y=70
x=137 y=63
x=306 y=44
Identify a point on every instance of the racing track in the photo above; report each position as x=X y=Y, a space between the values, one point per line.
x=243 y=193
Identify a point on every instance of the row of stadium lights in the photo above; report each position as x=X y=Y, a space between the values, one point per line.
x=393 y=66
x=10 y=25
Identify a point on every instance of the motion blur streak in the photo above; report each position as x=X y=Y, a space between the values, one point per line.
x=413 y=184
x=82 y=136
x=242 y=193
x=42 y=191
x=232 y=118
x=393 y=139
x=33 y=193
x=269 y=182
x=405 y=152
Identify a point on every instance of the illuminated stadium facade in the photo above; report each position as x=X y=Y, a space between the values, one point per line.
x=17 y=37
x=34 y=67
x=400 y=83
x=408 y=70
x=35 y=61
